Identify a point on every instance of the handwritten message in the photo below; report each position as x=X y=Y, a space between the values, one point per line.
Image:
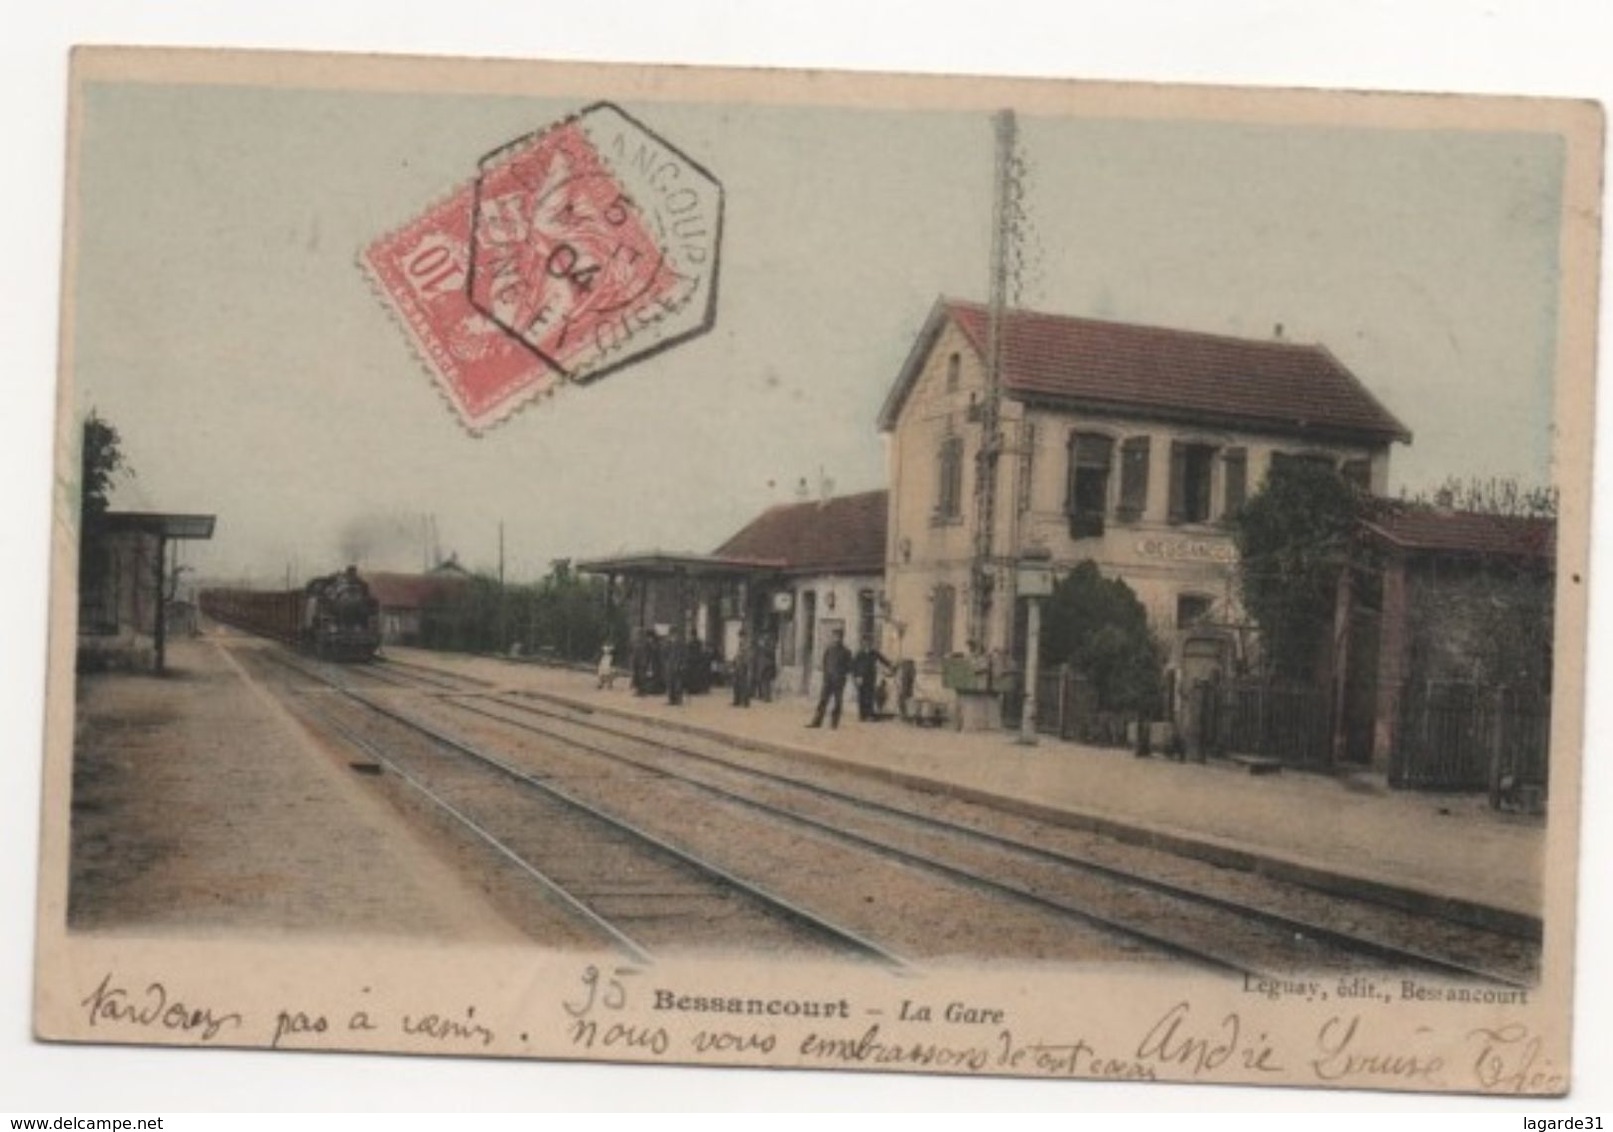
x=630 y=1013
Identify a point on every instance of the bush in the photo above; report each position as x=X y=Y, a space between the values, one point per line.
x=1098 y=627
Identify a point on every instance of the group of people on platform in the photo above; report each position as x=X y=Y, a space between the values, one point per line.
x=678 y=666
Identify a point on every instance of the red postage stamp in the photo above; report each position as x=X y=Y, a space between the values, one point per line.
x=577 y=249
x=421 y=271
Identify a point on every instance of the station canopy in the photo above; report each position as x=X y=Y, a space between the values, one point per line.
x=163 y=524
x=662 y=564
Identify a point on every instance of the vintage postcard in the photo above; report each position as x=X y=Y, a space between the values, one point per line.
x=859 y=573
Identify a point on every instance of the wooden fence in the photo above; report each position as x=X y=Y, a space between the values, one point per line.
x=1463 y=736
x=1285 y=720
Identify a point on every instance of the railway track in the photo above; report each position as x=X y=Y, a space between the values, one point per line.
x=869 y=897
x=635 y=891
x=1190 y=921
x=1235 y=934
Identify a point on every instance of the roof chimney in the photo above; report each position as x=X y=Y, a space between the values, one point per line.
x=1277 y=332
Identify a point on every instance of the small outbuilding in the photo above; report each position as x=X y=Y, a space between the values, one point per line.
x=1465 y=648
x=128 y=586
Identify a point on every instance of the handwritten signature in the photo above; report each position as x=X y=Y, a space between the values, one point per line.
x=155 y=1008
x=1178 y=1041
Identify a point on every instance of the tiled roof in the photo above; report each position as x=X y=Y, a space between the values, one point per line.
x=845 y=534
x=410 y=591
x=1426 y=529
x=1287 y=387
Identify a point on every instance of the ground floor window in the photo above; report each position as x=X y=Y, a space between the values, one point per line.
x=866 y=612
x=1191 y=610
x=944 y=601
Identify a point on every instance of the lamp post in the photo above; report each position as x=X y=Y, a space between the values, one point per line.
x=1034 y=581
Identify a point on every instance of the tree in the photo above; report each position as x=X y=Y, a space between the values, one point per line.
x=100 y=461
x=561 y=616
x=1493 y=496
x=1099 y=628
x=1294 y=538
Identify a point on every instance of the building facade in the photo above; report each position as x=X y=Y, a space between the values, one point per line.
x=831 y=579
x=404 y=597
x=1126 y=446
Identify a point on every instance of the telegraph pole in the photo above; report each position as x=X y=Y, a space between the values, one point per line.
x=983 y=579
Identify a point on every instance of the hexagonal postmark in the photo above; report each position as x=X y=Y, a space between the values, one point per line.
x=595 y=242
x=582 y=247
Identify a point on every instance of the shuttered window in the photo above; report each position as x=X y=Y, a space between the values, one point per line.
x=941 y=611
x=949 y=502
x=1027 y=466
x=1235 y=466
x=1192 y=466
x=1087 y=492
x=1133 y=478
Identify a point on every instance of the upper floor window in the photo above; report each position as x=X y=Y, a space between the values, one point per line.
x=1087 y=491
x=1192 y=474
x=1027 y=464
x=949 y=494
x=1235 y=479
x=1133 y=478
x=954 y=366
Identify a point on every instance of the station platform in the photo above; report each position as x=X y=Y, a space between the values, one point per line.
x=201 y=805
x=1447 y=854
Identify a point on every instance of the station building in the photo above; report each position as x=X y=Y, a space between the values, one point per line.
x=830 y=578
x=1122 y=445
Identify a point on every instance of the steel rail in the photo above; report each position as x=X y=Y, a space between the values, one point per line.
x=780 y=904
x=1064 y=907
x=1320 y=932
x=637 y=951
x=423 y=673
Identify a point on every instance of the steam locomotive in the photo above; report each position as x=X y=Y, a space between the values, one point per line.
x=334 y=617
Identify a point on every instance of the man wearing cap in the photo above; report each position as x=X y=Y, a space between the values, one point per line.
x=836 y=667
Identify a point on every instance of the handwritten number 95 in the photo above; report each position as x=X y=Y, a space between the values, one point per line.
x=610 y=994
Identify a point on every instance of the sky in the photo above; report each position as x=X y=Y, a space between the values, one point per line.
x=223 y=327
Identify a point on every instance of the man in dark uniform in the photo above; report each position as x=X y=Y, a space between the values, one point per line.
x=675 y=658
x=739 y=671
x=865 y=668
x=766 y=670
x=640 y=663
x=836 y=667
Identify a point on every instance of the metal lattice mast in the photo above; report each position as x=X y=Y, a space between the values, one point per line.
x=983 y=576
